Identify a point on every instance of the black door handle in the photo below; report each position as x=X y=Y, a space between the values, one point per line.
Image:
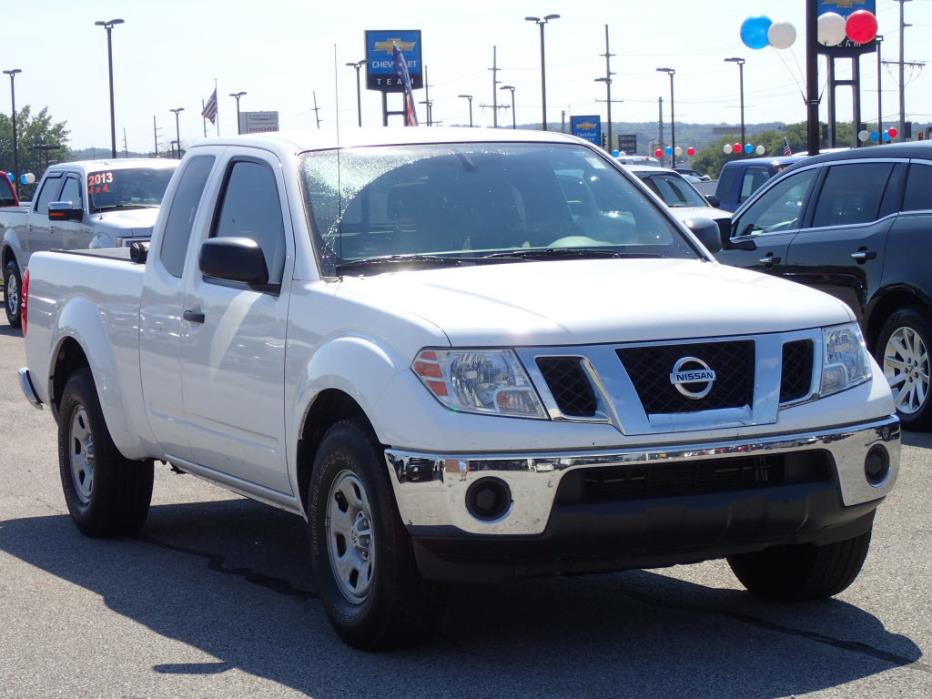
x=769 y=260
x=193 y=316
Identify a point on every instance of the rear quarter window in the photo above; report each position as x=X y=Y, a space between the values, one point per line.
x=851 y=194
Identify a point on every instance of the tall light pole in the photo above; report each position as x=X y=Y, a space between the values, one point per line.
x=671 y=72
x=13 y=73
x=468 y=97
x=109 y=25
x=740 y=62
x=236 y=96
x=543 y=65
x=357 y=65
x=511 y=89
x=176 y=112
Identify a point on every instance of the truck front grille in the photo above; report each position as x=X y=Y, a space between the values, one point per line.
x=569 y=385
x=796 y=379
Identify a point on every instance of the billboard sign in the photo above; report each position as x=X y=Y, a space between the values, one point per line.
x=845 y=8
x=587 y=127
x=380 y=71
x=628 y=143
x=258 y=122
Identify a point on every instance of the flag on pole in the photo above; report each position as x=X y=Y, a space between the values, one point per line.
x=210 y=108
x=401 y=70
x=787 y=151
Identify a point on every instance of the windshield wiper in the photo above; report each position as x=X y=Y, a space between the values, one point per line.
x=564 y=253
x=418 y=260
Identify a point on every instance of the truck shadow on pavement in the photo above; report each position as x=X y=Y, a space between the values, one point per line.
x=231 y=578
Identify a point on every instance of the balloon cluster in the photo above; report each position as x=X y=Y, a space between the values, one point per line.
x=748 y=148
x=876 y=136
x=24 y=179
x=670 y=150
x=761 y=32
x=860 y=27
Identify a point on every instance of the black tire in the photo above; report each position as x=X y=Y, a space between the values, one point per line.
x=915 y=320
x=399 y=606
x=112 y=498
x=803 y=572
x=13 y=305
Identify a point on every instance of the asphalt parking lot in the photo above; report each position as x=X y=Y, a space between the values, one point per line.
x=215 y=599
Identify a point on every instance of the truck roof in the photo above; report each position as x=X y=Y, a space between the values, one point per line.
x=86 y=166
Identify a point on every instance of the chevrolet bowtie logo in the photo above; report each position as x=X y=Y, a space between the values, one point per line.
x=386 y=45
x=849 y=3
x=586 y=125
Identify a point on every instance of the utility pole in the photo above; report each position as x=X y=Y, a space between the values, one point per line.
x=903 y=26
x=812 y=77
x=562 y=121
x=511 y=89
x=608 y=87
x=671 y=73
x=155 y=135
x=469 y=98
x=125 y=146
x=427 y=103
x=495 y=82
x=13 y=73
x=495 y=109
x=316 y=109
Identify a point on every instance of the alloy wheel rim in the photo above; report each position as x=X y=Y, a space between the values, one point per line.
x=12 y=293
x=350 y=539
x=81 y=455
x=906 y=366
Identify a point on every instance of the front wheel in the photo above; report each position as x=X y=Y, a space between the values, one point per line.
x=363 y=562
x=903 y=352
x=801 y=572
x=12 y=295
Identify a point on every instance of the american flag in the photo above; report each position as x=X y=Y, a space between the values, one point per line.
x=787 y=151
x=210 y=109
x=401 y=70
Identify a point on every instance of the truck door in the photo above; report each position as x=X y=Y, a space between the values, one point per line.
x=233 y=348
x=38 y=235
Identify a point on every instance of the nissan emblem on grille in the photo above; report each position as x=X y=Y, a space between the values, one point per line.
x=692 y=377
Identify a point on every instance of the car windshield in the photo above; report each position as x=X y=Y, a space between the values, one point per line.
x=129 y=188
x=674 y=190
x=477 y=203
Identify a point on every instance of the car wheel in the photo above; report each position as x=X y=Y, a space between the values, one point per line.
x=902 y=351
x=363 y=562
x=801 y=572
x=12 y=297
x=106 y=493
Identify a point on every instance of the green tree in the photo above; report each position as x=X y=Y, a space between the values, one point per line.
x=32 y=130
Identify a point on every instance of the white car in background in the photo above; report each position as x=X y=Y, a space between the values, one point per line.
x=682 y=198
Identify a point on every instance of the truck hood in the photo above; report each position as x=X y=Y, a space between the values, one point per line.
x=574 y=302
x=129 y=223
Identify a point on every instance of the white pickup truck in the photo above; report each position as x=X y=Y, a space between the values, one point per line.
x=461 y=355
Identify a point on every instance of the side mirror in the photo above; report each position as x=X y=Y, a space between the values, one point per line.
x=707 y=231
x=714 y=201
x=235 y=260
x=65 y=211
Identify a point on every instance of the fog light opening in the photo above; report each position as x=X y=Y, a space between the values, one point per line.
x=488 y=499
x=877 y=465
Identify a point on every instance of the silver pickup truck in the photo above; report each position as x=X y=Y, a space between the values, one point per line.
x=86 y=204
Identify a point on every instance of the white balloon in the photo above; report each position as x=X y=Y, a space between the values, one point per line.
x=864 y=135
x=761 y=150
x=678 y=151
x=831 y=29
x=728 y=148
x=782 y=35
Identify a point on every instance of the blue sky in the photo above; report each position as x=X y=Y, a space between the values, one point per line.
x=169 y=52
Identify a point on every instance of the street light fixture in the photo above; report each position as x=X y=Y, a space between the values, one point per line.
x=236 y=96
x=511 y=89
x=109 y=25
x=740 y=62
x=13 y=73
x=176 y=112
x=543 y=65
x=468 y=97
x=357 y=65
x=671 y=72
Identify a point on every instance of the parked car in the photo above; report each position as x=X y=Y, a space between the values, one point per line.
x=856 y=224
x=86 y=204
x=638 y=160
x=689 y=172
x=681 y=196
x=460 y=354
x=739 y=179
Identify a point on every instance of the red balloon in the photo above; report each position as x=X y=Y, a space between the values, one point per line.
x=690 y=151
x=738 y=148
x=861 y=27
x=659 y=152
x=893 y=132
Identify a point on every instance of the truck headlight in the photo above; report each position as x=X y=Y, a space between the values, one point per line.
x=845 y=362
x=487 y=382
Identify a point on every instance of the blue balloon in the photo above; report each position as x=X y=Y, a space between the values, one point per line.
x=10 y=176
x=668 y=150
x=23 y=180
x=886 y=137
x=748 y=148
x=875 y=136
x=754 y=32
x=616 y=153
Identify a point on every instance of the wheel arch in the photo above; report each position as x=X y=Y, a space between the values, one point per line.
x=892 y=300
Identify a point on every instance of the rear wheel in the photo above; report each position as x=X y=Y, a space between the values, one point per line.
x=107 y=494
x=903 y=352
x=363 y=562
x=12 y=297
x=802 y=572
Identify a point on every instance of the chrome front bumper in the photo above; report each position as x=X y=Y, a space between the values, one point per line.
x=430 y=489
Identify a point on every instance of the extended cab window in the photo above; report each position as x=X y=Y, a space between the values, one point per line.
x=49 y=193
x=851 y=194
x=251 y=208
x=183 y=209
x=753 y=180
x=72 y=192
x=918 y=189
x=780 y=208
